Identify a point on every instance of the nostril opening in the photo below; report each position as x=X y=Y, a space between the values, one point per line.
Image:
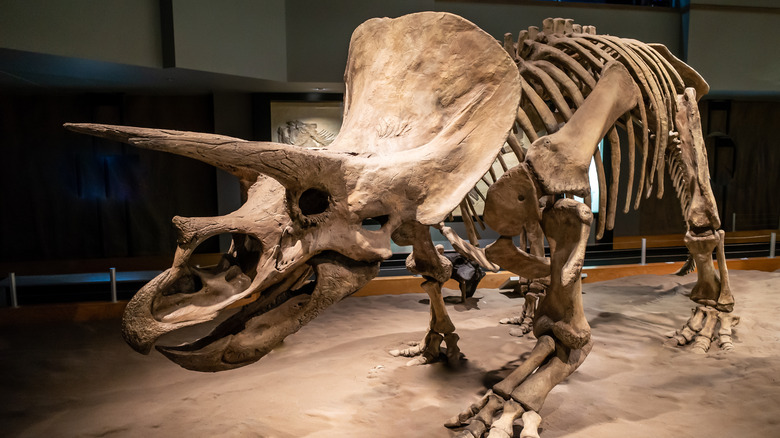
x=187 y=284
x=246 y=254
x=210 y=278
x=242 y=257
x=197 y=283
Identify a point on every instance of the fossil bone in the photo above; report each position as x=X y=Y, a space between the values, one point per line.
x=431 y=100
x=407 y=154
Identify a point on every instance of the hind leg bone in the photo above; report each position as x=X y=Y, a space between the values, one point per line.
x=560 y=326
x=713 y=294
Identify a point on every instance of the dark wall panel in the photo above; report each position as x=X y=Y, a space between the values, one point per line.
x=70 y=196
x=745 y=162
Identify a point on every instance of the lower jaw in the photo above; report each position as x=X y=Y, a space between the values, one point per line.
x=253 y=331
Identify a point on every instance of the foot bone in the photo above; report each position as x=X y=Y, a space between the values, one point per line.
x=479 y=419
x=525 y=320
x=429 y=350
x=522 y=393
x=700 y=330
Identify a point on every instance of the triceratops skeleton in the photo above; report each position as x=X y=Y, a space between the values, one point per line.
x=431 y=101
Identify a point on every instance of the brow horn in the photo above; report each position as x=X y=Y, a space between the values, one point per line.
x=288 y=164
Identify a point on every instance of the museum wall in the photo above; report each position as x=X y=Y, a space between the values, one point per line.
x=306 y=40
x=123 y=31
x=744 y=158
x=318 y=33
x=251 y=37
x=744 y=161
x=292 y=40
x=730 y=42
x=75 y=197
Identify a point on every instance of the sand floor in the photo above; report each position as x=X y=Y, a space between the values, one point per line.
x=335 y=378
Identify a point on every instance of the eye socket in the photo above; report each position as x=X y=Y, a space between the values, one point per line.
x=313 y=201
x=375 y=223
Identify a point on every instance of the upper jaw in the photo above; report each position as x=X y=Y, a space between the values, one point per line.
x=279 y=303
x=259 y=326
x=186 y=295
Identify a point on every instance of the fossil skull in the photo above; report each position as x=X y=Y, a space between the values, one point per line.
x=430 y=99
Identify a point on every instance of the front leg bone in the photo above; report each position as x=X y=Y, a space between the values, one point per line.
x=436 y=269
x=560 y=160
x=563 y=332
x=707 y=288
x=533 y=391
x=555 y=164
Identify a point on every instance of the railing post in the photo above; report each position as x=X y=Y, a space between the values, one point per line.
x=733 y=222
x=14 y=301
x=113 y=284
x=772 y=241
x=644 y=252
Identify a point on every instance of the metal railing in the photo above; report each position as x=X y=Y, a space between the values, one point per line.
x=13 y=282
x=599 y=254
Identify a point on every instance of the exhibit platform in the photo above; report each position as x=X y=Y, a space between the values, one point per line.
x=335 y=376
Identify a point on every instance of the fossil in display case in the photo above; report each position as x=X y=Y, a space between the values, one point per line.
x=304 y=134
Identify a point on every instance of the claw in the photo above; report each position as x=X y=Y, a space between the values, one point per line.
x=429 y=350
x=531 y=421
x=412 y=351
x=480 y=422
x=502 y=428
x=460 y=419
x=727 y=322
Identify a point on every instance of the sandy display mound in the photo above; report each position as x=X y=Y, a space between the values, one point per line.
x=335 y=379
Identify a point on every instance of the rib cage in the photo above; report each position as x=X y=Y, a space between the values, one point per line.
x=559 y=66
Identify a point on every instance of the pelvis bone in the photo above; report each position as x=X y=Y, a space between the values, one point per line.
x=419 y=130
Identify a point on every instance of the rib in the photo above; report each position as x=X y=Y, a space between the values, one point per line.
x=528 y=128
x=549 y=86
x=614 y=148
x=550 y=124
x=563 y=79
x=631 y=154
x=602 y=193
